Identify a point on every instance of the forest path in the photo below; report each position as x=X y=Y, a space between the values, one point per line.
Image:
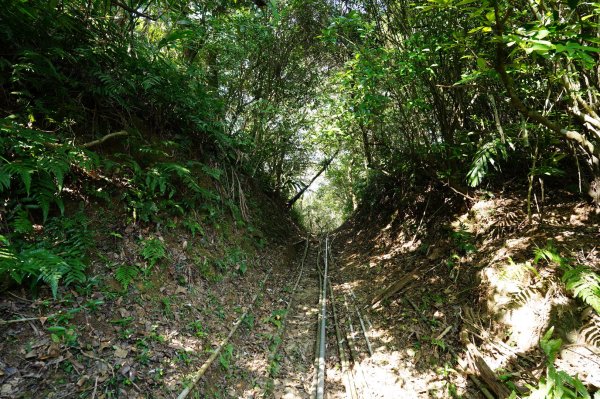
x=272 y=354
x=295 y=355
x=397 y=348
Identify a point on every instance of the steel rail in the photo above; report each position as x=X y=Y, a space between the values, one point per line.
x=320 y=391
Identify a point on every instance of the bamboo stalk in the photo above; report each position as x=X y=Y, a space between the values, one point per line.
x=351 y=341
x=362 y=324
x=354 y=347
x=317 y=338
x=202 y=370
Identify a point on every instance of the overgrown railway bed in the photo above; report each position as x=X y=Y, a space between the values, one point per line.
x=283 y=353
x=286 y=351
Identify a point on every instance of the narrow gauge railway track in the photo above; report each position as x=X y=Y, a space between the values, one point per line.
x=349 y=334
x=315 y=308
x=290 y=361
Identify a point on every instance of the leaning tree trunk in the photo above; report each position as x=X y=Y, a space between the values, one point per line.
x=323 y=168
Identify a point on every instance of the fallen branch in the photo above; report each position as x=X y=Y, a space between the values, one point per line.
x=3 y=322
x=481 y=387
x=105 y=138
x=362 y=324
x=490 y=378
x=202 y=370
x=494 y=385
x=42 y=319
x=393 y=289
x=354 y=350
x=323 y=168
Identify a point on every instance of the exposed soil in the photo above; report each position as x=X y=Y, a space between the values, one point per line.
x=451 y=306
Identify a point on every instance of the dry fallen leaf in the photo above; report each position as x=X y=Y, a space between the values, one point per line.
x=120 y=352
x=6 y=390
x=82 y=380
x=104 y=345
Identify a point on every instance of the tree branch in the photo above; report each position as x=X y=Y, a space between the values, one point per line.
x=133 y=10
x=522 y=108
x=323 y=168
x=105 y=138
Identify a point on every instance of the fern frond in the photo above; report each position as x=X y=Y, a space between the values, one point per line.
x=75 y=273
x=51 y=267
x=54 y=166
x=21 y=222
x=486 y=156
x=215 y=173
x=125 y=275
x=24 y=169
x=46 y=193
x=153 y=250
x=550 y=254
x=585 y=284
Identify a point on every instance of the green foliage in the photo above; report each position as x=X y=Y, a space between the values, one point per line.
x=164 y=187
x=277 y=317
x=225 y=356
x=585 y=285
x=463 y=240
x=58 y=254
x=582 y=281
x=550 y=254
x=125 y=274
x=60 y=334
x=198 y=329
x=153 y=250
x=33 y=168
x=193 y=226
x=21 y=223
x=489 y=154
x=556 y=384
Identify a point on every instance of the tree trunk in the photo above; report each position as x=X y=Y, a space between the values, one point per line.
x=323 y=168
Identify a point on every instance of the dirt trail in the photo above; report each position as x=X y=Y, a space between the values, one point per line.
x=296 y=353
x=401 y=364
x=272 y=354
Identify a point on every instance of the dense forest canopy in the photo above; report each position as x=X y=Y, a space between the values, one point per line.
x=452 y=87
x=374 y=93
x=466 y=93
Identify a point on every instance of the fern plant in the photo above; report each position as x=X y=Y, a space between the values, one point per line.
x=585 y=284
x=125 y=274
x=153 y=250
x=33 y=166
x=57 y=255
x=165 y=186
x=487 y=155
x=582 y=281
x=556 y=384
